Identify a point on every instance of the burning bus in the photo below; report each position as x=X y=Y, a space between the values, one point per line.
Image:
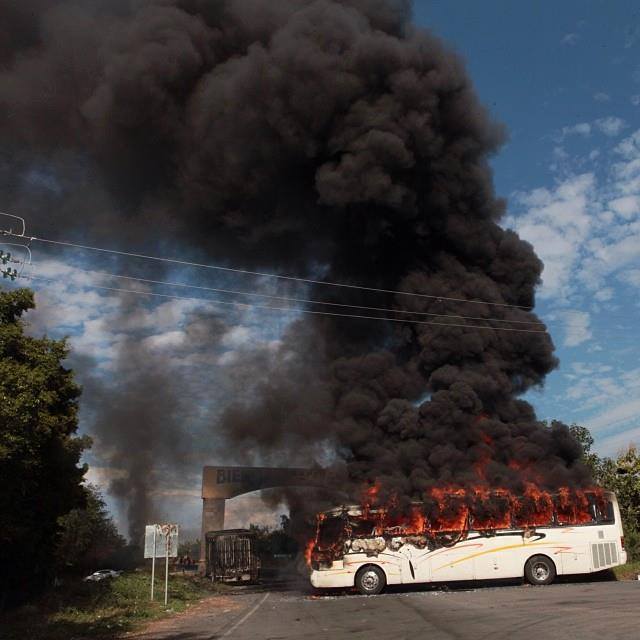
x=459 y=534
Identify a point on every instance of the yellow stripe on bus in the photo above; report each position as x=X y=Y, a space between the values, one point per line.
x=510 y=546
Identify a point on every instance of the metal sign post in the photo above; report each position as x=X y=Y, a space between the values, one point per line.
x=166 y=572
x=153 y=563
x=164 y=536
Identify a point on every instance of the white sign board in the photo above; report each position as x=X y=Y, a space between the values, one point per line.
x=160 y=534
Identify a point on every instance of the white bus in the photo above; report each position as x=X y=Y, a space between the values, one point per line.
x=345 y=554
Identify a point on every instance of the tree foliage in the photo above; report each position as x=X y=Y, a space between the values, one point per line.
x=39 y=449
x=88 y=539
x=620 y=475
x=278 y=541
x=189 y=548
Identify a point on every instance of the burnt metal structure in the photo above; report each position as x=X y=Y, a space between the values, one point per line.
x=231 y=556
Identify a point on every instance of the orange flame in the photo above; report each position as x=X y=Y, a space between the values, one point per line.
x=453 y=511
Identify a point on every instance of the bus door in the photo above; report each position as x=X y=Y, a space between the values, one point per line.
x=414 y=568
x=419 y=566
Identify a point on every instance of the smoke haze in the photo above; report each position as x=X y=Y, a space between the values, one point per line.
x=333 y=140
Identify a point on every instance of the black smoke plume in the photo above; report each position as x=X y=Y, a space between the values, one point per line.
x=143 y=415
x=330 y=139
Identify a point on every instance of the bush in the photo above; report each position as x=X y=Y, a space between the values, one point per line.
x=632 y=544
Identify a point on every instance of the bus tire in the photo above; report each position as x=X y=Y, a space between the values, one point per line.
x=370 y=580
x=540 y=570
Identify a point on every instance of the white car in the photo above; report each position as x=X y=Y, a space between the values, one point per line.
x=96 y=576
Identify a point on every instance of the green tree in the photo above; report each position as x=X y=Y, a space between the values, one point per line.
x=627 y=483
x=189 y=548
x=39 y=450
x=585 y=439
x=88 y=539
x=278 y=541
x=620 y=475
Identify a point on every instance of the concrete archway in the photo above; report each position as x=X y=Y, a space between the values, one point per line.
x=221 y=483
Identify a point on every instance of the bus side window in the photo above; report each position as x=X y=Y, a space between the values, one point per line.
x=361 y=528
x=605 y=512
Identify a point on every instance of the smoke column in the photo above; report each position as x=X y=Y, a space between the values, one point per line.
x=329 y=139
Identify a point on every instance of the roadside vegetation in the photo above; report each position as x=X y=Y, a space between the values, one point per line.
x=104 y=609
x=622 y=476
x=42 y=478
x=629 y=571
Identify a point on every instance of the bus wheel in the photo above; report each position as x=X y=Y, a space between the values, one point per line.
x=540 y=570
x=370 y=580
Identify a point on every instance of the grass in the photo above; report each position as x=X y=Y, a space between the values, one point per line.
x=627 y=571
x=103 y=609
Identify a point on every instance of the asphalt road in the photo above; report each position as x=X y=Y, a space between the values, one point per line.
x=585 y=611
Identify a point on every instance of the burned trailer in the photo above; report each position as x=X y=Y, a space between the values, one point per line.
x=231 y=556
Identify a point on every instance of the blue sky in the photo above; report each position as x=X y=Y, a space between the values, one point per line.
x=565 y=79
x=542 y=66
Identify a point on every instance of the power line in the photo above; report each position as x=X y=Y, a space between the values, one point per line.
x=290 y=309
x=300 y=300
x=299 y=310
x=22 y=236
x=255 y=273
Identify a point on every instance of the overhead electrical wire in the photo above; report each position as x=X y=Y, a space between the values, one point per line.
x=296 y=309
x=299 y=300
x=200 y=265
x=29 y=239
x=289 y=309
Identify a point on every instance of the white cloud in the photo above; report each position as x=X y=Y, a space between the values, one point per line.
x=167 y=340
x=599 y=387
x=635 y=100
x=577 y=328
x=559 y=153
x=620 y=413
x=252 y=509
x=587 y=228
x=557 y=223
x=176 y=493
x=582 y=368
x=570 y=39
x=618 y=443
x=616 y=250
x=604 y=295
x=582 y=129
x=611 y=125
x=104 y=475
x=594 y=390
x=239 y=336
x=601 y=96
x=629 y=148
x=627 y=206
x=631 y=276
